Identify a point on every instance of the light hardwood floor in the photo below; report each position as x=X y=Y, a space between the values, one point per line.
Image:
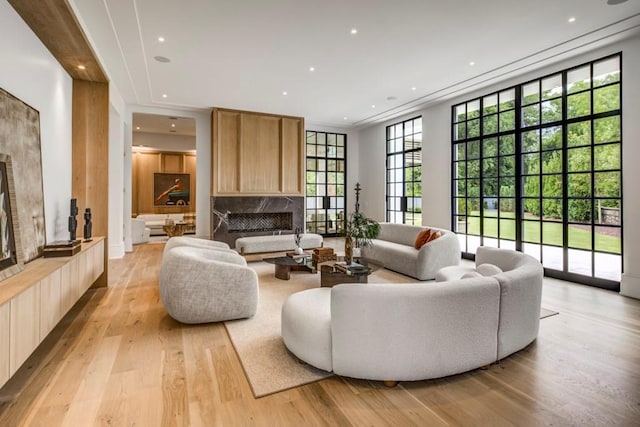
x=118 y=359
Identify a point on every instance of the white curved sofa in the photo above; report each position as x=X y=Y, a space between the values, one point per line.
x=200 y=285
x=196 y=242
x=416 y=331
x=394 y=249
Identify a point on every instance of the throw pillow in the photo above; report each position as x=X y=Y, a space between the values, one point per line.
x=434 y=236
x=423 y=237
x=488 y=269
x=471 y=275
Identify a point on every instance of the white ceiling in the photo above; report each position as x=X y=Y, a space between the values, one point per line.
x=243 y=54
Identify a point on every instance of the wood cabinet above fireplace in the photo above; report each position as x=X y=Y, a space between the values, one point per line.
x=256 y=154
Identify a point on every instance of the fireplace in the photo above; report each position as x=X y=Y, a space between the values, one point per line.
x=234 y=217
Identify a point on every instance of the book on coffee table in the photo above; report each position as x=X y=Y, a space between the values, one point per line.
x=298 y=256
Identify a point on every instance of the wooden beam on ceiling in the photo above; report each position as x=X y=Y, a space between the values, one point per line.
x=56 y=26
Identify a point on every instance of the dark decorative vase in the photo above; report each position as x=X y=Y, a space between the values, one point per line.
x=348 y=249
x=87 y=225
x=73 y=222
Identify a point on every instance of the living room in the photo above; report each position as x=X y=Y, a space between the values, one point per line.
x=577 y=337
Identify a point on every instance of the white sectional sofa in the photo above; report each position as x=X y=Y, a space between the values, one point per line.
x=277 y=243
x=394 y=249
x=155 y=222
x=415 y=331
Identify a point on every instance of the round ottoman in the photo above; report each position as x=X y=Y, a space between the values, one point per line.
x=306 y=326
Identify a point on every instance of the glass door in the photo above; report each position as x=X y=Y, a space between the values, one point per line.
x=326 y=173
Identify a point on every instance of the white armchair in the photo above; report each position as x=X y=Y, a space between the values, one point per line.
x=140 y=233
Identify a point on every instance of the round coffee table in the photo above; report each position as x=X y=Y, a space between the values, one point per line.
x=286 y=264
x=333 y=273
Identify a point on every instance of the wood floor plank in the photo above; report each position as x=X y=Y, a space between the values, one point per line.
x=118 y=359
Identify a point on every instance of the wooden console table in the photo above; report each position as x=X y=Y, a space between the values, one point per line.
x=33 y=301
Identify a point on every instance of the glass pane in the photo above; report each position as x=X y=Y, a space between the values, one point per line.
x=606 y=157
x=552 y=185
x=552 y=137
x=473 y=168
x=607 y=211
x=606 y=129
x=459 y=151
x=487 y=241
x=531 y=208
x=473 y=243
x=311 y=137
x=507 y=208
x=552 y=209
x=578 y=105
x=473 y=187
x=578 y=79
x=490 y=187
x=460 y=206
x=507 y=121
x=580 y=210
x=460 y=224
x=580 y=133
x=607 y=71
x=606 y=99
x=491 y=226
x=473 y=149
x=417 y=125
x=311 y=164
x=459 y=131
x=607 y=184
x=552 y=161
x=490 y=124
x=508 y=244
x=608 y=266
x=507 y=99
x=579 y=262
x=507 y=229
x=490 y=104
x=607 y=239
x=552 y=110
x=579 y=159
x=552 y=257
x=473 y=207
x=321 y=138
x=530 y=141
x=531 y=164
x=408 y=128
x=579 y=185
x=460 y=186
x=579 y=236
x=473 y=109
x=530 y=93
x=459 y=113
x=490 y=167
x=552 y=233
x=531 y=115
x=507 y=144
x=531 y=231
x=473 y=128
x=321 y=151
x=507 y=187
x=331 y=139
x=311 y=150
x=531 y=186
x=490 y=147
x=552 y=87
x=507 y=166
x=460 y=169
x=532 y=249
x=340 y=140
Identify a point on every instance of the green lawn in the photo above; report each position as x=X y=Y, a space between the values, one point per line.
x=551 y=233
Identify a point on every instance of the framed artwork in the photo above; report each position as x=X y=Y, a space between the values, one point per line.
x=171 y=189
x=10 y=248
x=20 y=139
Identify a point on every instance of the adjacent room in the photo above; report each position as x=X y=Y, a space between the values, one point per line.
x=343 y=213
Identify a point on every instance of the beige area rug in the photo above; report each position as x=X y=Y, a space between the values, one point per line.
x=268 y=365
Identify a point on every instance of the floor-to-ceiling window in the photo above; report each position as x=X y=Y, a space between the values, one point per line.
x=404 y=172
x=537 y=167
x=326 y=172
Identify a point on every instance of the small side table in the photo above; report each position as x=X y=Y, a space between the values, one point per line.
x=331 y=276
x=176 y=229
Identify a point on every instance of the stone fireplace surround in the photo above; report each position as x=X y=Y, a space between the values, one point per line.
x=242 y=216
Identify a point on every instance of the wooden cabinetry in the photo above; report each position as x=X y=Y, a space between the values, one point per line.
x=256 y=154
x=33 y=301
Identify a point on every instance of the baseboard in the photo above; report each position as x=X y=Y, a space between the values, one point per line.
x=630 y=286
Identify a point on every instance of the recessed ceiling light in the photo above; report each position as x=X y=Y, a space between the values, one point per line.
x=373 y=106
x=414 y=88
x=354 y=31
x=162 y=59
x=284 y=93
x=81 y=67
x=344 y=118
x=173 y=125
x=137 y=127
x=312 y=68
x=472 y=63
x=572 y=19
x=614 y=2
x=161 y=39
x=164 y=95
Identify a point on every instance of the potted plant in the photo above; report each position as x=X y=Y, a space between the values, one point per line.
x=359 y=230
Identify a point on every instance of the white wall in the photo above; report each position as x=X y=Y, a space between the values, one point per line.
x=29 y=72
x=436 y=175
